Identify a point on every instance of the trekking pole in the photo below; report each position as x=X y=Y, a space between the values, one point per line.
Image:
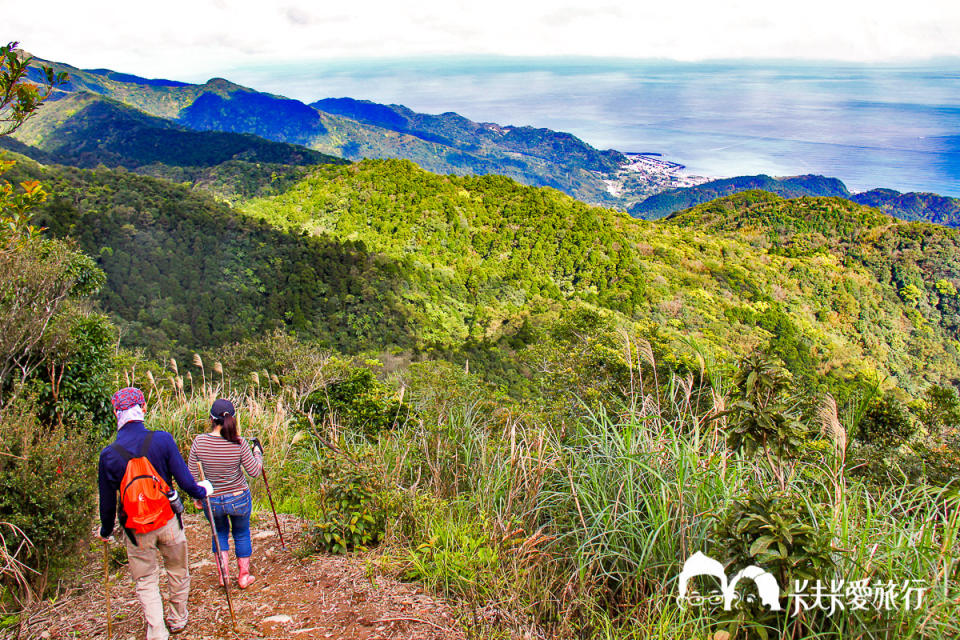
x=106 y=586
x=216 y=542
x=263 y=472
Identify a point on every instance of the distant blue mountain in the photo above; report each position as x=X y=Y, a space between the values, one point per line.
x=913 y=206
x=667 y=202
x=928 y=207
x=244 y=111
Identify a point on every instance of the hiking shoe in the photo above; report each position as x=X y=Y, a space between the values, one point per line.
x=176 y=628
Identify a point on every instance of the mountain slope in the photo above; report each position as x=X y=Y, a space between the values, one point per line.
x=499 y=247
x=906 y=206
x=382 y=255
x=446 y=143
x=85 y=130
x=183 y=269
x=453 y=130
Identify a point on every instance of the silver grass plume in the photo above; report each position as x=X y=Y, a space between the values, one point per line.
x=646 y=350
x=830 y=423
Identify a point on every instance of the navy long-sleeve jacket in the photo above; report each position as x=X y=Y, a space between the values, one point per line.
x=163 y=455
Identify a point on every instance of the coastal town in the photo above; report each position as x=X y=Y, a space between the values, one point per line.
x=645 y=174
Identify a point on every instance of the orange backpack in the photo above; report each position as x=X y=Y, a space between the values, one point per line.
x=144 y=505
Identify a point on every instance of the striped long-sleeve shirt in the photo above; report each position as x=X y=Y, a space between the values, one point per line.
x=222 y=461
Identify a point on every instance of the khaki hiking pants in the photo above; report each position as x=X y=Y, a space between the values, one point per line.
x=171 y=543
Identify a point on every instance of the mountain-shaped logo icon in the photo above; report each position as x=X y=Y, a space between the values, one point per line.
x=701 y=565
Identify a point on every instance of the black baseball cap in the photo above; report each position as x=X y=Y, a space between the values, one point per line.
x=222 y=408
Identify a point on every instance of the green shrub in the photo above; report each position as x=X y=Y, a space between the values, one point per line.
x=74 y=383
x=886 y=423
x=47 y=490
x=780 y=534
x=940 y=408
x=350 y=515
x=360 y=401
x=459 y=555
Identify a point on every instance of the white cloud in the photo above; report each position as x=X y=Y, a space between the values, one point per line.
x=187 y=38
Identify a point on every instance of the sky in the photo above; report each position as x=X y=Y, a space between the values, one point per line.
x=190 y=39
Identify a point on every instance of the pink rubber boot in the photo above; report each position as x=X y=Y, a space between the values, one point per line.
x=245 y=579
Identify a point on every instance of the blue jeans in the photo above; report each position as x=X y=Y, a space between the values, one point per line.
x=232 y=513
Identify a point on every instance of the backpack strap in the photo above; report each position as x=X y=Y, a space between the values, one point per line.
x=123 y=453
x=126 y=455
x=146 y=444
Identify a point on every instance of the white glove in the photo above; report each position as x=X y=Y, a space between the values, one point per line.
x=206 y=487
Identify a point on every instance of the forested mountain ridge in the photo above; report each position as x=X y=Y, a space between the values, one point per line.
x=353 y=129
x=185 y=271
x=906 y=206
x=454 y=130
x=395 y=257
x=86 y=130
x=663 y=204
x=929 y=207
x=502 y=245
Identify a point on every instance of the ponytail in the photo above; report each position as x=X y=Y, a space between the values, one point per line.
x=228 y=428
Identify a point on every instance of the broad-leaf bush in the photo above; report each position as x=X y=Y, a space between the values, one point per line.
x=47 y=490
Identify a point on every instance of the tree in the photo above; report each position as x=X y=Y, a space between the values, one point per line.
x=19 y=97
x=35 y=277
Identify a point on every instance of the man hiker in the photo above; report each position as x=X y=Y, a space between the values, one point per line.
x=140 y=464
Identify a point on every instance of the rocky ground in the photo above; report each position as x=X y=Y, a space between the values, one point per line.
x=323 y=597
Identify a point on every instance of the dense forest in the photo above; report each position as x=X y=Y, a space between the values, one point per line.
x=382 y=255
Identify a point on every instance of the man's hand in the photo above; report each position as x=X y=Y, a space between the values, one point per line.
x=206 y=487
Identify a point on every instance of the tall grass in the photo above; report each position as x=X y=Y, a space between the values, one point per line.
x=579 y=529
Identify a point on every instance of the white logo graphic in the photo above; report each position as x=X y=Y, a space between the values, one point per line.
x=700 y=565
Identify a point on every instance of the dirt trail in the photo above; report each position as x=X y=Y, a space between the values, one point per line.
x=324 y=597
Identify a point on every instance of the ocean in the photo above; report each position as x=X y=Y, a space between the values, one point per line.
x=894 y=126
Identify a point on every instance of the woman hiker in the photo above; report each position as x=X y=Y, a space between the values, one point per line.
x=223 y=452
